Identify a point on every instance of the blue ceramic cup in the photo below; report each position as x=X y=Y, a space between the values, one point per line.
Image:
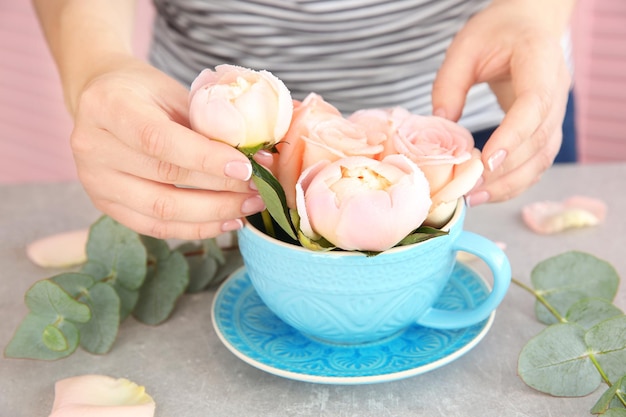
x=347 y=297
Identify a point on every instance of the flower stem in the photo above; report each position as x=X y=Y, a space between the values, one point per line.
x=541 y=299
x=267 y=222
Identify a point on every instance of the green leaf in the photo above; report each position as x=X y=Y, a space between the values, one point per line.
x=164 y=284
x=603 y=404
x=556 y=362
x=54 y=339
x=567 y=278
x=420 y=235
x=204 y=260
x=48 y=300
x=74 y=283
x=128 y=298
x=32 y=335
x=274 y=197
x=608 y=342
x=615 y=412
x=590 y=311
x=120 y=250
x=98 y=334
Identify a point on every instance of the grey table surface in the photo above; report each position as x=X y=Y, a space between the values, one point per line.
x=188 y=371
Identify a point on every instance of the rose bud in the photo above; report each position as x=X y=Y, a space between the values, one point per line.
x=239 y=106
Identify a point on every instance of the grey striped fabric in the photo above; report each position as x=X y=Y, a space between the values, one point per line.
x=355 y=53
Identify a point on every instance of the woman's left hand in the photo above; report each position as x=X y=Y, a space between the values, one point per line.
x=515 y=46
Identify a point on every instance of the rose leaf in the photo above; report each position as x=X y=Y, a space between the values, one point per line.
x=556 y=362
x=569 y=277
x=273 y=196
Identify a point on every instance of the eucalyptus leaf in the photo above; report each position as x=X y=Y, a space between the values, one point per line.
x=74 y=283
x=164 y=284
x=604 y=403
x=567 y=278
x=607 y=340
x=28 y=342
x=556 y=362
x=273 y=196
x=128 y=300
x=48 y=300
x=615 y=412
x=54 y=339
x=204 y=260
x=590 y=311
x=120 y=250
x=98 y=334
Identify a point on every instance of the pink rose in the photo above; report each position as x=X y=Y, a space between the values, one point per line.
x=445 y=151
x=239 y=106
x=359 y=203
x=318 y=132
x=384 y=121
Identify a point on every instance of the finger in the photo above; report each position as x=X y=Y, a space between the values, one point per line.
x=454 y=78
x=161 y=229
x=169 y=203
x=541 y=83
x=124 y=159
x=150 y=130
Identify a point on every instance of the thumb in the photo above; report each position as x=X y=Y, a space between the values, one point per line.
x=452 y=82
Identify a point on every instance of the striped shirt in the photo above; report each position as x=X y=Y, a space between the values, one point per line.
x=355 y=53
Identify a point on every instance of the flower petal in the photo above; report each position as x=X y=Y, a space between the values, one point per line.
x=100 y=396
x=59 y=250
x=547 y=217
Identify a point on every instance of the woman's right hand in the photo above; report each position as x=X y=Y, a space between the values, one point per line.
x=134 y=150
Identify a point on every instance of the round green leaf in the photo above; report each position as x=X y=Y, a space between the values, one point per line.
x=120 y=250
x=556 y=362
x=567 y=278
x=48 y=300
x=99 y=333
x=162 y=288
x=608 y=342
x=29 y=341
x=54 y=339
x=74 y=283
x=590 y=311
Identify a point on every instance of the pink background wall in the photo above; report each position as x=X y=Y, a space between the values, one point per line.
x=34 y=126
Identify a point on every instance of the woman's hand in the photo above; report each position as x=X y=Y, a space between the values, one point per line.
x=514 y=45
x=133 y=148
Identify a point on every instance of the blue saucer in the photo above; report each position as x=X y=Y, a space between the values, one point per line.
x=254 y=334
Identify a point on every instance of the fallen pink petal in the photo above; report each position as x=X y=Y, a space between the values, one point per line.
x=548 y=217
x=59 y=250
x=100 y=396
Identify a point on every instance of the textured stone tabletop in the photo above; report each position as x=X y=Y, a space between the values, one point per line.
x=188 y=371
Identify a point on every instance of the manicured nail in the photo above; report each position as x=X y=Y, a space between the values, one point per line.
x=477 y=198
x=496 y=159
x=253 y=205
x=231 y=225
x=239 y=170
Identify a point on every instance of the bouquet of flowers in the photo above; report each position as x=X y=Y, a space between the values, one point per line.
x=367 y=182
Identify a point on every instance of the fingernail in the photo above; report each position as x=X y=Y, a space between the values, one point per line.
x=231 y=225
x=496 y=159
x=253 y=205
x=239 y=170
x=253 y=186
x=477 y=198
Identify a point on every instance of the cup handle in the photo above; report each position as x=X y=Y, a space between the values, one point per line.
x=499 y=264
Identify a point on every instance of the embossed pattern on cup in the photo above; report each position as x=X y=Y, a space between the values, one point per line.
x=348 y=297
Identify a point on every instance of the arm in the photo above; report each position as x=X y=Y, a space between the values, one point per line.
x=514 y=45
x=131 y=140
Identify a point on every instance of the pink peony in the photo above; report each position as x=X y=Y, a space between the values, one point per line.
x=359 y=203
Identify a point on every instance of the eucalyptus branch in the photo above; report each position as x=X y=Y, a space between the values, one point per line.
x=541 y=299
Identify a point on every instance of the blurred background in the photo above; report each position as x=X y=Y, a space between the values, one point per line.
x=35 y=127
